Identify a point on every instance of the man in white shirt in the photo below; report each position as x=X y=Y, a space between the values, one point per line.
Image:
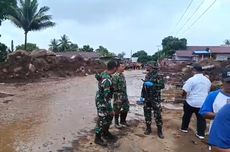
x=195 y=90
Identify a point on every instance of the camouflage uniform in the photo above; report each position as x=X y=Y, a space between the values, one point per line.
x=152 y=97
x=103 y=103
x=120 y=97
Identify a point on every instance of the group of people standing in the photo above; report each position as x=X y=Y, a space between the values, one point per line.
x=196 y=91
x=112 y=85
x=208 y=105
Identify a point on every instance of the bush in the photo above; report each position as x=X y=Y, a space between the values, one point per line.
x=3 y=52
x=30 y=47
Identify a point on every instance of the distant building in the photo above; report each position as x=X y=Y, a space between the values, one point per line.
x=198 y=53
x=134 y=59
x=85 y=55
x=106 y=59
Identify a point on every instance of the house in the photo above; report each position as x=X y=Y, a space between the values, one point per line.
x=197 y=53
x=85 y=55
x=183 y=55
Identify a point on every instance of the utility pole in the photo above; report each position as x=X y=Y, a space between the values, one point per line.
x=158 y=53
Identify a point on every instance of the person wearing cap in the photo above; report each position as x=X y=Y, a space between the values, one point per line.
x=195 y=90
x=219 y=137
x=152 y=99
x=217 y=99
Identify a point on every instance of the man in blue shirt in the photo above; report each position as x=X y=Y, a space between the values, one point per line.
x=217 y=99
x=219 y=137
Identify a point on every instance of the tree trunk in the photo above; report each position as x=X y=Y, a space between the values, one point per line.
x=26 y=40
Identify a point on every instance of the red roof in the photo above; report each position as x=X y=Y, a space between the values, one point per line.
x=185 y=53
x=213 y=49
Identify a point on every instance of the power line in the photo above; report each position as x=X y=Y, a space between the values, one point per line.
x=191 y=16
x=189 y=5
x=210 y=6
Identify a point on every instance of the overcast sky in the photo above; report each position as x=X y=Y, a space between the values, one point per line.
x=125 y=25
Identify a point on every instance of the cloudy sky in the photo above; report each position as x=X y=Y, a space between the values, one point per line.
x=125 y=25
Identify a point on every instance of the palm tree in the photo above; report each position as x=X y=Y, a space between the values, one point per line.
x=73 y=47
x=227 y=42
x=54 y=45
x=29 y=18
x=64 y=43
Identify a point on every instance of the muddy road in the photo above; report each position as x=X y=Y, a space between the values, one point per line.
x=60 y=114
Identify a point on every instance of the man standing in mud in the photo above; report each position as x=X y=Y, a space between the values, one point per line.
x=103 y=104
x=121 y=103
x=151 y=92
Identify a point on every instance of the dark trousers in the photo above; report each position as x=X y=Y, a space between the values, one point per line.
x=201 y=123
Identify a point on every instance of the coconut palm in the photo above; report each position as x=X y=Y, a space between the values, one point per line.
x=227 y=42
x=73 y=47
x=54 y=45
x=64 y=43
x=27 y=16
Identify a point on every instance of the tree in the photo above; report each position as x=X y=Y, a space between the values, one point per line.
x=139 y=53
x=102 y=51
x=29 y=18
x=6 y=8
x=144 y=59
x=121 y=55
x=30 y=47
x=227 y=42
x=73 y=47
x=171 y=44
x=3 y=52
x=54 y=45
x=86 y=48
x=64 y=43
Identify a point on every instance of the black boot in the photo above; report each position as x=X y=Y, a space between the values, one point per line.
x=123 y=118
x=160 y=132
x=108 y=136
x=148 y=130
x=99 y=141
x=117 y=125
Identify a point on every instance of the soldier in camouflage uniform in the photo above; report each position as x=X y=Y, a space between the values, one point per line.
x=121 y=103
x=151 y=92
x=103 y=104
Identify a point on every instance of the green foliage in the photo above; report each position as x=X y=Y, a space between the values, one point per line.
x=73 y=47
x=86 y=48
x=30 y=47
x=3 y=52
x=54 y=45
x=139 y=53
x=144 y=59
x=64 y=44
x=102 y=51
x=121 y=55
x=111 y=54
x=227 y=42
x=6 y=8
x=27 y=16
x=171 y=44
